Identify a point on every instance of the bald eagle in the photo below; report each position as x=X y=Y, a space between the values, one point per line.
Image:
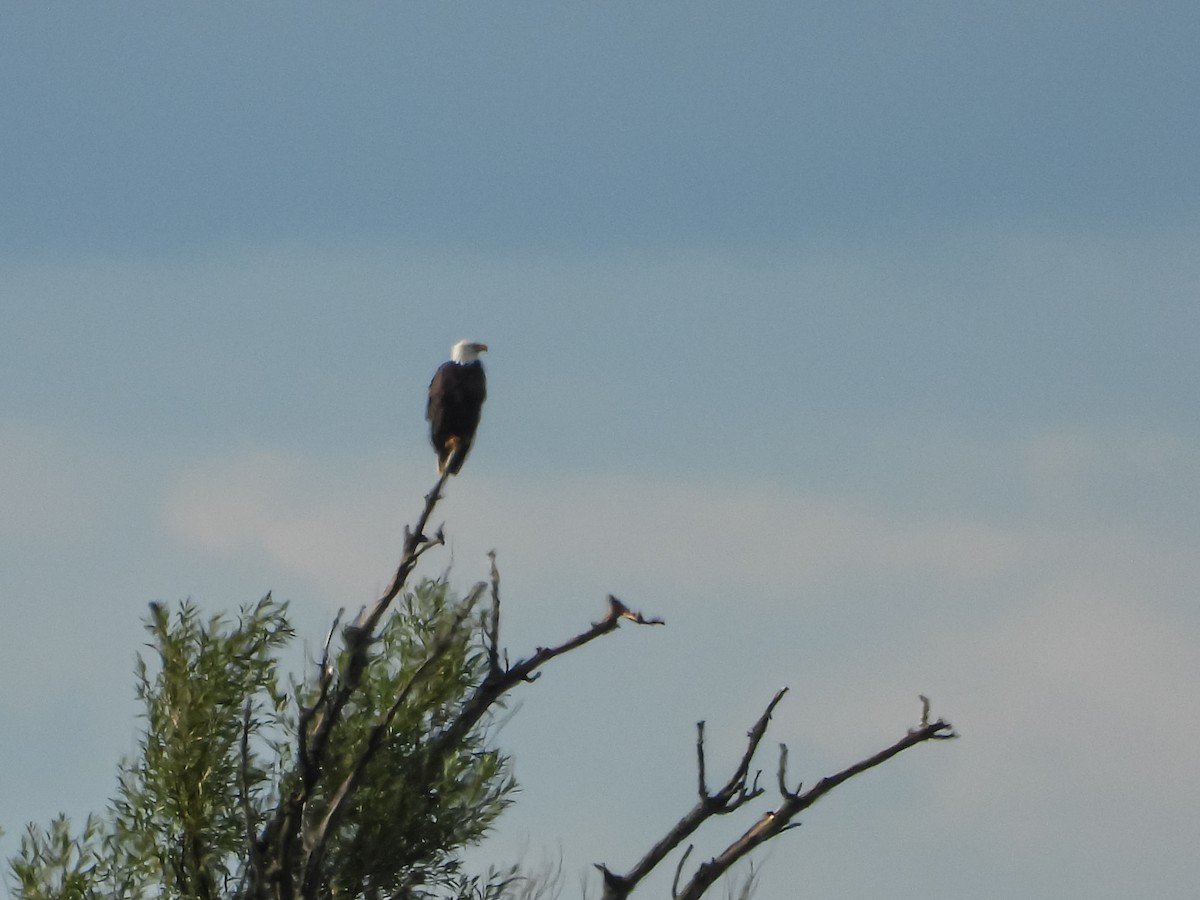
x=456 y=397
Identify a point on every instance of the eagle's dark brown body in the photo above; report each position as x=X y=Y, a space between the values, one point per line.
x=456 y=397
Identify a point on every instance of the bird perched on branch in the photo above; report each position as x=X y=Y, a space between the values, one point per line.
x=456 y=397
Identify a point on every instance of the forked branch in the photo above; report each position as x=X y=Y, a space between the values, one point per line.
x=735 y=793
x=780 y=819
x=738 y=791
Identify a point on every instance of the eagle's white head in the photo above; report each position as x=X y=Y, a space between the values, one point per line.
x=467 y=351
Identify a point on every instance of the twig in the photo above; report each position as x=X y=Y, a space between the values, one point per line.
x=755 y=738
x=493 y=626
x=783 y=788
x=679 y=869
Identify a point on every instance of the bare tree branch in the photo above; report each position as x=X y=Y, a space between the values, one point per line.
x=777 y=821
x=415 y=543
x=325 y=672
x=505 y=678
x=732 y=795
x=737 y=784
x=738 y=791
x=524 y=669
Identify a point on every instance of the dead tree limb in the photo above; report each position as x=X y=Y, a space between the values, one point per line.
x=739 y=790
x=502 y=679
x=776 y=821
x=735 y=793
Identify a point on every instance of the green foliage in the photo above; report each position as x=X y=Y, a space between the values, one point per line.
x=54 y=865
x=417 y=805
x=180 y=813
x=219 y=755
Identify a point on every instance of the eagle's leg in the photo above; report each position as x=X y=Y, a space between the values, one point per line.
x=449 y=451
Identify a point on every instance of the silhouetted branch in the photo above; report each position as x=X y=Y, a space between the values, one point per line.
x=325 y=670
x=415 y=543
x=737 y=792
x=732 y=795
x=504 y=678
x=782 y=775
x=778 y=820
x=524 y=669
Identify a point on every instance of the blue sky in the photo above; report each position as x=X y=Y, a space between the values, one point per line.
x=856 y=340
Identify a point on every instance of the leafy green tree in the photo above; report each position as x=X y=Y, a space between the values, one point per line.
x=365 y=777
x=212 y=763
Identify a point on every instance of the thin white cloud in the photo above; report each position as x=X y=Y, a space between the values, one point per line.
x=1040 y=607
x=290 y=514
x=316 y=522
